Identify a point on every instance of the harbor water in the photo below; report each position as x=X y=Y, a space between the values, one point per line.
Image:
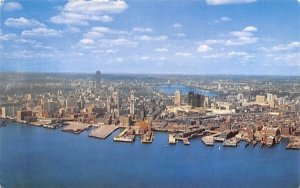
x=39 y=157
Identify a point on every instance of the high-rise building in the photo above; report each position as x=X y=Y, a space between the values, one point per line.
x=190 y=97
x=260 y=99
x=98 y=79
x=272 y=101
x=177 y=100
x=116 y=99
x=269 y=97
x=131 y=106
x=71 y=102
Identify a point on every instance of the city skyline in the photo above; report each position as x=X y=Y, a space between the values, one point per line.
x=241 y=37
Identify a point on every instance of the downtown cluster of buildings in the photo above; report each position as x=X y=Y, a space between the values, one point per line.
x=256 y=110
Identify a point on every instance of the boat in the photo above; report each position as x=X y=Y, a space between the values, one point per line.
x=254 y=142
x=247 y=144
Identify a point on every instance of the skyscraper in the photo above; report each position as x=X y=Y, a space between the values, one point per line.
x=177 y=100
x=131 y=107
x=98 y=79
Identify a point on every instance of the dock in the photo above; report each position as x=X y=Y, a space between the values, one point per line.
x=147 y=138
x=232 y=142
x=186 y=141
x=172 y=139
x=208 y=140
x=125 y=136
x=76 y=128
x=103 y=131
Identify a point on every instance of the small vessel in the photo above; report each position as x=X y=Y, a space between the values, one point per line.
x=247 y=144
x=254 y=143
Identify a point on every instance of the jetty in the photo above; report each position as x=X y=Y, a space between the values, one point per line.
x=172 y=139
x=232 y=142
x=127 y=135
x=148 y=137
x=103 y=131
x=76 y=127
x=186 y=141
x=208 y=140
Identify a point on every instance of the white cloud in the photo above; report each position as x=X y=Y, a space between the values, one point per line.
x=142 y=30
x=12 y=6
x=41 y=32
x=225 y=19
x=100 y=29
x=150 y=38
x=161 y=50
x=119 y=59
x=29 y=54
x=180 y=34
x=291 y=59
x=72 y=29
x=6 y=37
x=83 y=11
x=184 y=54
x=145 y=58
x=222 y=19
x=250 y=29
x=87 y=41
x=284 y=47
x=111 y=51
x=223 y=2
x=204 y=48
x=177 y=25
x=116 y=42
x=237 y=38
x=23 y=22
x=241 y=41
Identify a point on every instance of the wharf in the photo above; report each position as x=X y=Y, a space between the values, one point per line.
x=232 y=142
x=186 y=141
x=125 y=137
x=208 y=140
x=294 y=143
x=76 y=128
x=172 y=139
x=103 y=131
x=147 y=138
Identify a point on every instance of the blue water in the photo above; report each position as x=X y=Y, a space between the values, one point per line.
x=170 y=90
x=38 y=157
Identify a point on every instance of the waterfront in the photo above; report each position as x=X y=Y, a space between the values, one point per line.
x=39 y=157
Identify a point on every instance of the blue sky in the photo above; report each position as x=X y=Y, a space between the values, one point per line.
x=151 y=36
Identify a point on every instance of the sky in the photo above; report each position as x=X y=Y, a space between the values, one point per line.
x=243 y=37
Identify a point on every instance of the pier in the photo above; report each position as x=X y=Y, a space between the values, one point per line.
x=76 y=128
x=208 y=140
x=186 y=141
x=103 y=131
x=172 y=139
x=125 y=136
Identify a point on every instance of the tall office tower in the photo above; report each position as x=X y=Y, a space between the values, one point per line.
x=177 y=100
x=269 y=97
x=131 y=108
x=116 y=99
x=272 y=101
x=219 y=87
x=190 y=97
x=198 y=100
x=98 y=79
x=260 y=99
x=71 y=102
x=108 y=104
